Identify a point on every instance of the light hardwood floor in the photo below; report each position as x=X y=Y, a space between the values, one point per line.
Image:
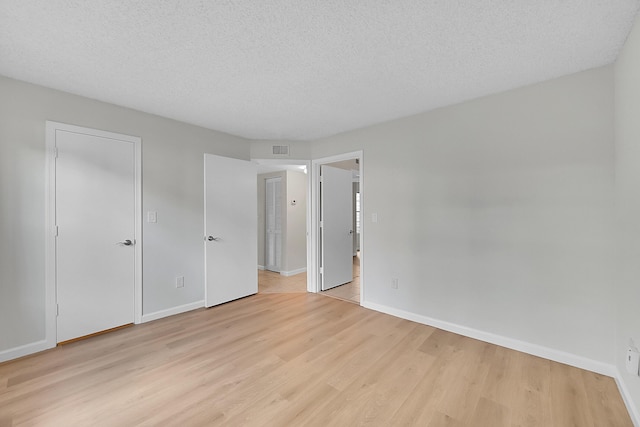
x=271 y=282
x=298 y=359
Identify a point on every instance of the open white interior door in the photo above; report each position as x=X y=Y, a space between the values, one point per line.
x=231 y=229
x=336 y=226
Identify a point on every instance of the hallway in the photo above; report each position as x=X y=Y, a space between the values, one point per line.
x=270 y=282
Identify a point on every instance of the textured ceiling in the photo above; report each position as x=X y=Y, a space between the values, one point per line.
x=300 y=69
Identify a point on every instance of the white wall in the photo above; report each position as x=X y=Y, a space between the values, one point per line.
x=296 y=222
x=627 y=161
x=298 y=150
x=172 y=185
x=496 y=214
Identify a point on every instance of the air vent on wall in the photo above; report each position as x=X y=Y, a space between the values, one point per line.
x=281 y=150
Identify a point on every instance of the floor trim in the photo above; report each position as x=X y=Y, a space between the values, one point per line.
x=626 y=397
x=523 y=346
x=95 y=334
x=24 y=350
x=293 y=272
x=171 y=311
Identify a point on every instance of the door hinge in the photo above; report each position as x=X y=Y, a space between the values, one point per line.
x=321 y=270
x=321 y=224
x=56 y=231
x=55 y=152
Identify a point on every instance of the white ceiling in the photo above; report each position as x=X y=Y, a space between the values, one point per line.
x=301 y=69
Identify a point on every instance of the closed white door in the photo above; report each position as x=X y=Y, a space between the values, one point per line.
x=95 y=218
x=273 y=224
x=231 y=229
x=336 y=219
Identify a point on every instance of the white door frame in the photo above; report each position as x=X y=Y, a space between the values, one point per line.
x=311 y=285
x=315 y=218
x=50 y=222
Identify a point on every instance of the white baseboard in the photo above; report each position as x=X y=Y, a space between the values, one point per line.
x=628 y=401
x=35 y=347
x=293 y=272
x=286 y=273
x=24 y=350
x=525 y=347
x=171 y=311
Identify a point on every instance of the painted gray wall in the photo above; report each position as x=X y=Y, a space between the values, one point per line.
x=496 y=214
x=627 y=161
x=172 y=185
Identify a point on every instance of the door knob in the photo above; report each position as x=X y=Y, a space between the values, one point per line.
x=126 y=243
x=211 y=238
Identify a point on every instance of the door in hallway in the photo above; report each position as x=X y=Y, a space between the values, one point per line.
x=273 y=224
x=336 y=219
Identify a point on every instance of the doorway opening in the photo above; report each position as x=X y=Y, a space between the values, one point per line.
x=284 y=218
x=338 y=229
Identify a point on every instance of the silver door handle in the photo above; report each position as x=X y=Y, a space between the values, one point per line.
x=211 y=238
x=125 y=243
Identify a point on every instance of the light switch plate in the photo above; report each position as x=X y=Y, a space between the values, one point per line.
x=152 y=216
x=633 y=360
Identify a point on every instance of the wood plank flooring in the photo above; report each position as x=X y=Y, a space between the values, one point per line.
x=271 y=282
x=298 y=359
